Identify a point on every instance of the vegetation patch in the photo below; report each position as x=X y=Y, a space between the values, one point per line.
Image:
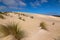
x=2 y=17
x=12 y=29
x=43 y=25
x=53 y=23
x=21 y=19
x=4 y=13
x=31 y=17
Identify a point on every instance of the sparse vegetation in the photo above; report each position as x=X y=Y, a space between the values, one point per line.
x=23 y=14
x=43 y=25
x=31 y=17
x=16 y=13
x=1 y=16
x=4 y=13
x=12 y=29
x=53 y=23
x=21 y=19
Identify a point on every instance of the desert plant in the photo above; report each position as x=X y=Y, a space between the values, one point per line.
x=43 y=25
x=2 y=17
x=20 y=18
x=11 y=29
x=0 y=12
x=31 y=17
x=53 y=23
x=23 y=19
x=4 y=13
x=23 y=14
x=18 y=14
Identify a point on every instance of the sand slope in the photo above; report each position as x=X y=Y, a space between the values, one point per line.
x=30 y=23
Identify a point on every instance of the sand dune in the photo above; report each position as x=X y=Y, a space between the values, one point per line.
x=30 y=23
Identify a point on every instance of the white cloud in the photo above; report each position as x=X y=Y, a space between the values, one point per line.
x=12 y=5
x=10 y=2
x=35 y=4
x=44 y=1
x=38 y=3
x=14 y=2
x=21 y=3
x=8 y=9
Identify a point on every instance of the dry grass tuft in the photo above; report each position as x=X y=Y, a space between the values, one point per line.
x=43 y=25
x=12 y=29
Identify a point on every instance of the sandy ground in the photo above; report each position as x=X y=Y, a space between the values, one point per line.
x=31 y=26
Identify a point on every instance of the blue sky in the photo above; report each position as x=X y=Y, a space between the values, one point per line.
x=49 y=7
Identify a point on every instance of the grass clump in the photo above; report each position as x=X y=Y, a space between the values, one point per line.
x=4 y=13
x=31 y=17
x=43 y=25
x=21 y=19
x=12 y=29
x=2 y=17
x=53 y=23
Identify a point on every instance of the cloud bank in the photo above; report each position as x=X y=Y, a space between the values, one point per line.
x=18 y=4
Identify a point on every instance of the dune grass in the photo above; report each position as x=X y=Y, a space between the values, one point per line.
x=31 y=17
x=11 y=29
x=43 y=25
x=4 y=13
x=2 y=17
x=21 y=19
x=53 y=23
